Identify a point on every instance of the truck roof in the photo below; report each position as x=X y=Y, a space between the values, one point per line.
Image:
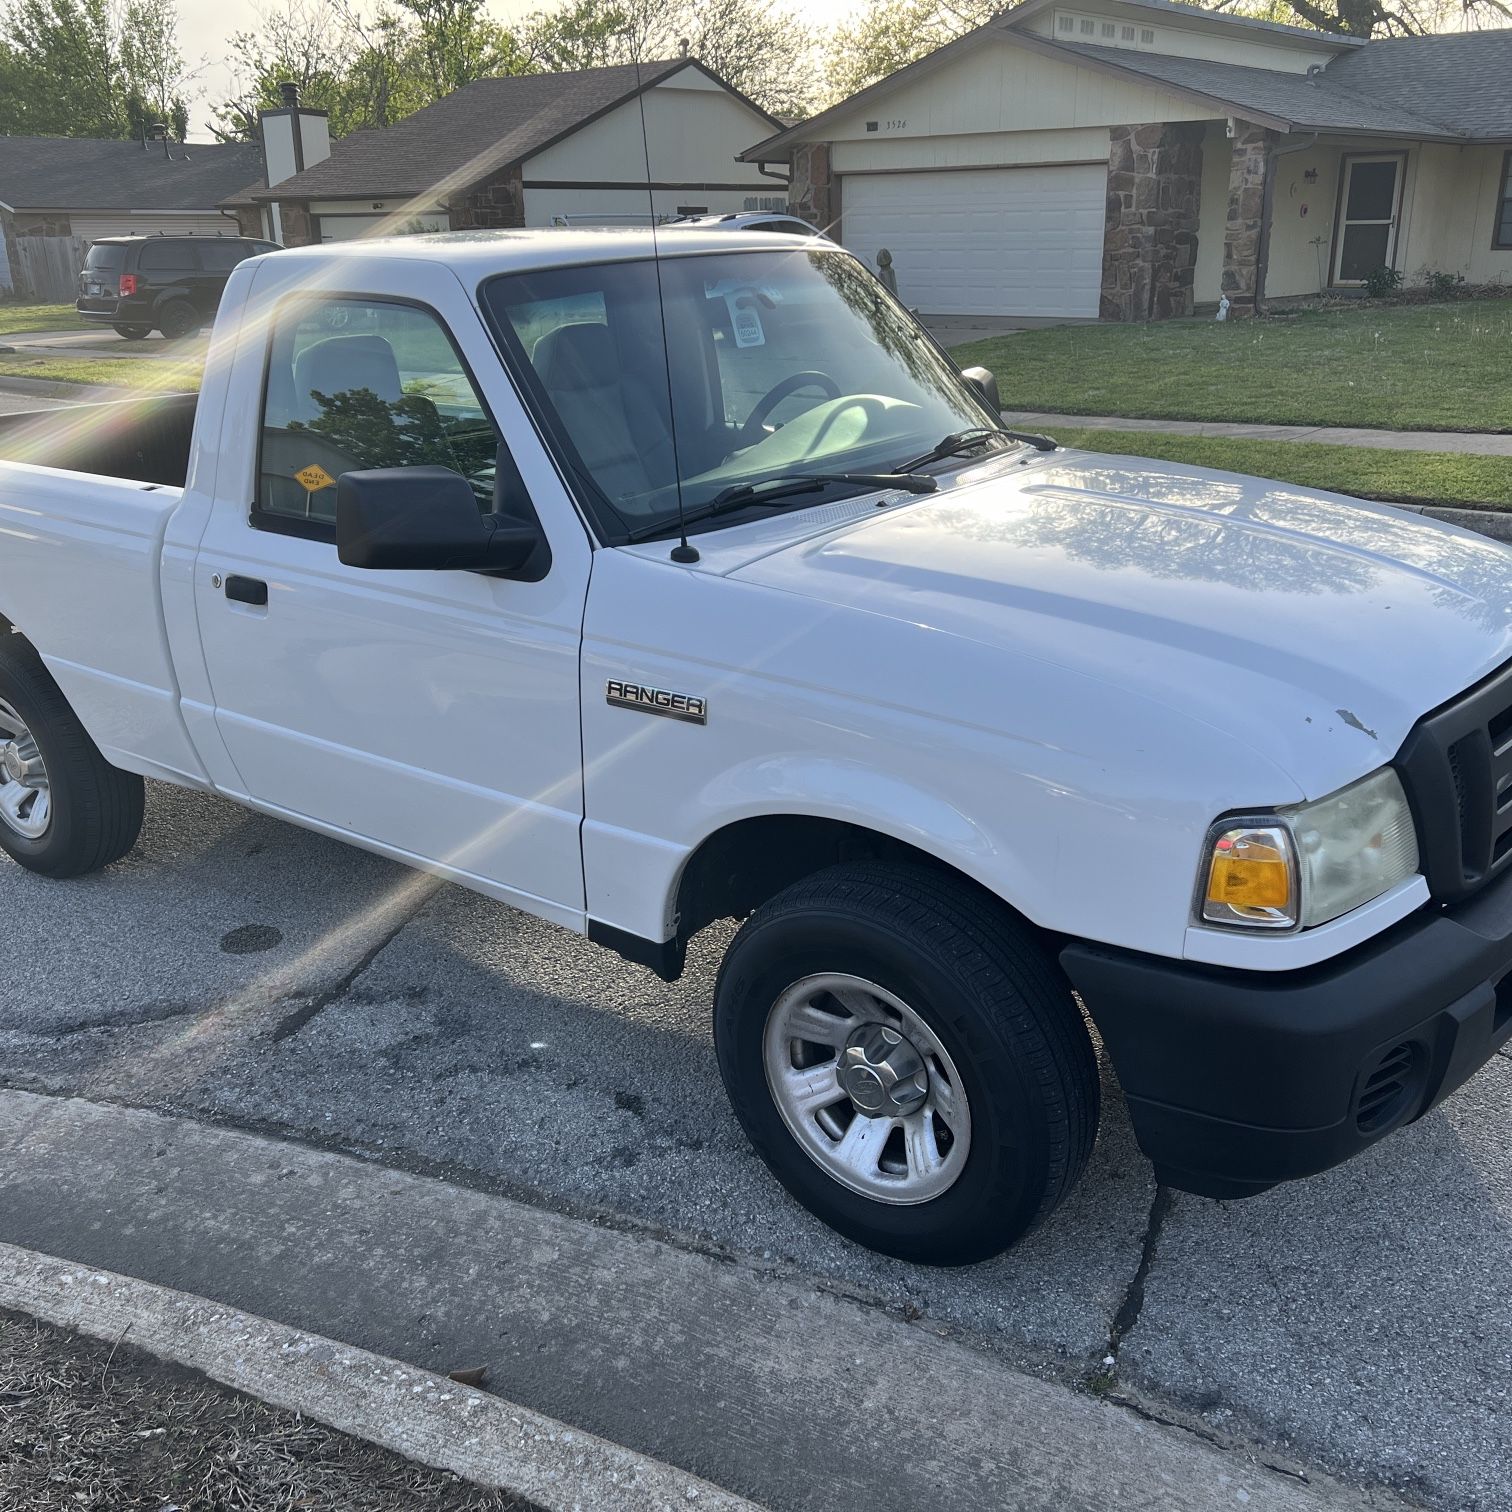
x=482 y=252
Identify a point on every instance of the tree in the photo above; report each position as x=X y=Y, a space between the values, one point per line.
x=365 y=68
x=89 y=68
x=762 y=47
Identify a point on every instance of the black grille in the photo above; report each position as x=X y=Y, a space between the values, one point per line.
x=1387 y=1088
x=1457 y=768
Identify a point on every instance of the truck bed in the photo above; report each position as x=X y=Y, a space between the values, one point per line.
x=143 y=440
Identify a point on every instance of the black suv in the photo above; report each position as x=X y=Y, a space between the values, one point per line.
x=170 y=284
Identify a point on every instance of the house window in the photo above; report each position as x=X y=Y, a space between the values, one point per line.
x=1128 y=34
x=1502 y=240
x=1109 y=30
x=1089 y=28
x=1065 y=23
x=1147 y=36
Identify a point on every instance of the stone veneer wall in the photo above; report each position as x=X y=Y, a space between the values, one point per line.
x=492 y=204
x=813 y=190
x=298 y=228
x=1150 y=228
x=1244 y=233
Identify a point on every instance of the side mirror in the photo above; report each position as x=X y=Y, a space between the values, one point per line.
x=985 y=383
x=424 y=518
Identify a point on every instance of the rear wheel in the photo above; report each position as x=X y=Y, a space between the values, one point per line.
x=64 y=810
x=907 y=1060
x=133 y=332
x=178 y=320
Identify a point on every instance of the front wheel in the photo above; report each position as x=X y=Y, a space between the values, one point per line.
x=907 y=1060
x=64 y=810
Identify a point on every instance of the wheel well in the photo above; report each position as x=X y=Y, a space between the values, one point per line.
x=737 y=869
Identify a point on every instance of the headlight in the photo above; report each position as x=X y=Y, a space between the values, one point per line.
x=1308 y=864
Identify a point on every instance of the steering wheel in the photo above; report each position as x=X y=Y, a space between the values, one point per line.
x=750 y=432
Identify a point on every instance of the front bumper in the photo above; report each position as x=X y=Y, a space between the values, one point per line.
x=1238 y=1080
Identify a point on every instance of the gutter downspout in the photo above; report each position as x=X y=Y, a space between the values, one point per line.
x=771 y=173
x=1267 y=205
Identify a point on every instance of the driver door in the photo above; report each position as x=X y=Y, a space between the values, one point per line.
x=432 y=715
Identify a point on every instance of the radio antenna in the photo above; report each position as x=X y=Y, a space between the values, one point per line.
x=682 y=552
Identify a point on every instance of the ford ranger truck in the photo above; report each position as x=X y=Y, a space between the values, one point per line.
x=640 y=582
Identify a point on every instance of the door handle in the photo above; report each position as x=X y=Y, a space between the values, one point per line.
x=246 y=590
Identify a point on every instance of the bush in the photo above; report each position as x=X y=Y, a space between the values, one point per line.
x=1382 y=281
x=1443 y=285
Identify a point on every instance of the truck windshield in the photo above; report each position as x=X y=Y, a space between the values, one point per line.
x=781 y=363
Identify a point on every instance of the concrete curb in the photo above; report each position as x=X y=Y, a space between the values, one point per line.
x=422 y=1416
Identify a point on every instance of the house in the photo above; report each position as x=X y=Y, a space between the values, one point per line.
x=83 y=188
x=1132 y=159
x=532 y=150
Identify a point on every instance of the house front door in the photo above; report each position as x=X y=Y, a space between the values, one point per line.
x=1370 y=195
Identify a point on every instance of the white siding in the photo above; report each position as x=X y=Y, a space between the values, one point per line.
x=998 y=241
x=693 y=130
x=995 y=148
x=1184 y=37
x=149 y=223
x=999 y=87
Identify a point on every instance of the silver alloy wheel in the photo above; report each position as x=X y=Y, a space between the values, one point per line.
x=866 y=1089
x=25 y=798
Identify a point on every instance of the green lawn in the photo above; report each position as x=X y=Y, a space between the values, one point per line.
x=1404 y=477
x=37 y=317
x=133 y=373
x=1416 y=367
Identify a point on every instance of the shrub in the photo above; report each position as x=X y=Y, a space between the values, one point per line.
x=1443 y=285
x=1382 y=281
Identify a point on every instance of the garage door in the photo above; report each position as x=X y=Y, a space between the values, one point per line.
x=984 y=241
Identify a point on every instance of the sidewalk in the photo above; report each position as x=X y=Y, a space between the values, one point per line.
x=1478 y=444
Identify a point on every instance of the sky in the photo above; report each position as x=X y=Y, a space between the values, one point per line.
x=204 y=26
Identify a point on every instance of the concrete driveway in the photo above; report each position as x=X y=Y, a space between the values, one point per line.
x=246 y=973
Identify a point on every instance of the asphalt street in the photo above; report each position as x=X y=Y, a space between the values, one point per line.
x=244 y=972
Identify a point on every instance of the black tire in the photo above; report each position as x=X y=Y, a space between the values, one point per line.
x=133 y=332
x=995 y=1000
x=96 y=809
x=178 y=320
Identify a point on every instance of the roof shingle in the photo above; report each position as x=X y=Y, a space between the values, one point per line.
x=481 y=127
x=1461 y=78
x=1312 y=102
x=85 y=173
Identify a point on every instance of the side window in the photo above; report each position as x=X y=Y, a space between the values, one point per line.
x=355 y=384
x=222 y=256
x=167 y=256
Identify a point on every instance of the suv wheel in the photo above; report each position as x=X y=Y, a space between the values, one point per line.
x=133 y=332
x=178 y=320
x=64 y=810
x=908 y=1061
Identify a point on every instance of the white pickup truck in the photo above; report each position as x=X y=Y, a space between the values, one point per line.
x=639 y=591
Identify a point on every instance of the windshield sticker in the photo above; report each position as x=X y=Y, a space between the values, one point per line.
x=314 y=478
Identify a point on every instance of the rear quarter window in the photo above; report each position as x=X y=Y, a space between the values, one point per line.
x=168 y=257
x=106 y=258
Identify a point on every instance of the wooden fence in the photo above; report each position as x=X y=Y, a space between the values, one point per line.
x=46 y=268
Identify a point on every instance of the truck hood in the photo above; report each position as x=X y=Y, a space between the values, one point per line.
x=1316 y=628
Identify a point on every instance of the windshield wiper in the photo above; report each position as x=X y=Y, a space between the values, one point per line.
x=958 y=441
x=773 y=490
